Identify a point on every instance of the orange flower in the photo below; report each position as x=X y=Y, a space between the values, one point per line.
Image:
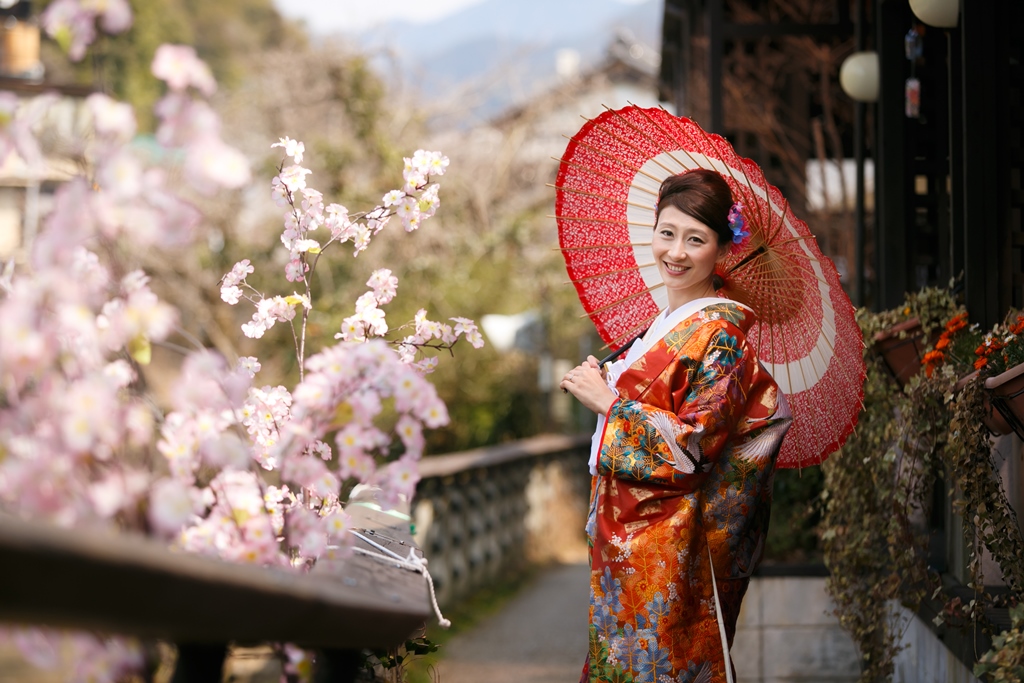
x=942 y=343
x=980 y=363
x=957 y=323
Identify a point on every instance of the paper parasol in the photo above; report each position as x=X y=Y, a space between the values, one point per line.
x=805 y=335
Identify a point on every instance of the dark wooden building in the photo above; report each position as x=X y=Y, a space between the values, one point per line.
x=948 y=196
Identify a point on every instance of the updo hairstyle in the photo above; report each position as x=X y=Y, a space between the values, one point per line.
x=701 y=194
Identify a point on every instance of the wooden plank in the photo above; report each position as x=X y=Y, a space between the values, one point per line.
x=892 y=186
x=734 y=31
x=447 y=465
x=131 y=585
x=715 y=19
x=980 y=141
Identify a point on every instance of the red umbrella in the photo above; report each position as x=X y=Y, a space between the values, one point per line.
x=806 y=334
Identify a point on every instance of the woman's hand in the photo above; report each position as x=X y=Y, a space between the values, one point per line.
x=586 y=382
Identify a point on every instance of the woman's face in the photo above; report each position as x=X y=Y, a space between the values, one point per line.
x=686 y=251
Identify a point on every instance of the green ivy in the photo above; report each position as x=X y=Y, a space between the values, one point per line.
x=1005 y=661
x=878 y=492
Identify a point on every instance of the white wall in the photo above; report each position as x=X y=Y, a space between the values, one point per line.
x=925 y=658
x=786 y=632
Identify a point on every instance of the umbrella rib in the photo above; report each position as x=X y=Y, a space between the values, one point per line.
x=616 y=159
x=599 y=196
x=632 y=331
x=608 y=272
x=670 y=153
x=615 y=221
x=782 y=221
x=572 y=190
x=753 y=268
x=607 y=177
x=688 y=139
x=843 y=368
x=754 y=263
x=787 y=297
x=629 y=144
x=623 y=300
x=667 y=134
x=603 y=246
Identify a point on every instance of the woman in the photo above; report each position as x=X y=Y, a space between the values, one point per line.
x=688 y=431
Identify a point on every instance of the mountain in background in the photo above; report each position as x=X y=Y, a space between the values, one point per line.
x=498 y=53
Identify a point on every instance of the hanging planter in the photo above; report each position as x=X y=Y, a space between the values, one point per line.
x=1007 y=391
x=991 y=418
x=902 y=347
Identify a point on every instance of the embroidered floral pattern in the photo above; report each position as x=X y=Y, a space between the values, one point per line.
x=673 y=482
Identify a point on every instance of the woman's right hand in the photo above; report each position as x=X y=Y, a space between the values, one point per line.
x=587 y=383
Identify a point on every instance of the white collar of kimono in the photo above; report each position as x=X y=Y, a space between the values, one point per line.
x=666 y=322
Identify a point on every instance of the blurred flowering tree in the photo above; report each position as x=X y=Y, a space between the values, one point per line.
x=224 y=33
x=227 y=467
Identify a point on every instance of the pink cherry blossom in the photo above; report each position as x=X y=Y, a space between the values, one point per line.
x=294 y=177
x=295 y=270
x=209 y=164
x=116 y=17
x=179 y=67
x=292 y=148
x=75 y=26
x=110 y=117
x=38 y=646
x=393 y=197
x=250 y=365
x=384 y=285
x=306 y=531
x=172 y=503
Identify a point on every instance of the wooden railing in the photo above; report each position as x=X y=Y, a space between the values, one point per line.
x=118 y=584
x=490 y=511
x=477 y=514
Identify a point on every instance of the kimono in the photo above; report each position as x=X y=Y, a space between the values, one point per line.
x=683 y=465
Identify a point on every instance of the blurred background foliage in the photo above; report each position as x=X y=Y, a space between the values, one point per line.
x=491 y=249
x=487 y=251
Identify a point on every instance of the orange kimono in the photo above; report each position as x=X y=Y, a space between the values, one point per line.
x=684 y=475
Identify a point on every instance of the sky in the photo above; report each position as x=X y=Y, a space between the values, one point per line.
x=332 y=16
x=329 y=16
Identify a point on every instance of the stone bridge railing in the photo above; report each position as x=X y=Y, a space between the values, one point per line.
x=486 y=512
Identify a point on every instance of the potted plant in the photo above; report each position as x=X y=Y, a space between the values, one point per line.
x=901 y=336
x=955 y=349
x=1000 y=361
x=902 y=348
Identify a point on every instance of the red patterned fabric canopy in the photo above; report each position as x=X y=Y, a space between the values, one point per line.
x=806 y=334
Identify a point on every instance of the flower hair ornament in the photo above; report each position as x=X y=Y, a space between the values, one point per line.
x=740 y=236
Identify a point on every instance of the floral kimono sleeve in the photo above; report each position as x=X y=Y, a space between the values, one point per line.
x=677 y=445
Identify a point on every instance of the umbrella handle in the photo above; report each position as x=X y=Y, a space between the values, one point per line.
x=621 y=350
x=615 y=354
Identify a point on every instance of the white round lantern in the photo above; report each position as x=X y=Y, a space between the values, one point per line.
x=938 y=13
x=859 y=75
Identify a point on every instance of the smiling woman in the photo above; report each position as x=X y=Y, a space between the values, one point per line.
x=689 y=430
x=691 y=233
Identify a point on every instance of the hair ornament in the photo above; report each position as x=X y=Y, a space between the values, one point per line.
x=740 y=236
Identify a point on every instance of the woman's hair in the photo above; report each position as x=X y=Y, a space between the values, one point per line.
x=702 y=194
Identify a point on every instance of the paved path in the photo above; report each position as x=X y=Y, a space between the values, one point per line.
x=540 y=636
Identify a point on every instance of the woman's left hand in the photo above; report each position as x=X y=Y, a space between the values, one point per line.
x=586 y=382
